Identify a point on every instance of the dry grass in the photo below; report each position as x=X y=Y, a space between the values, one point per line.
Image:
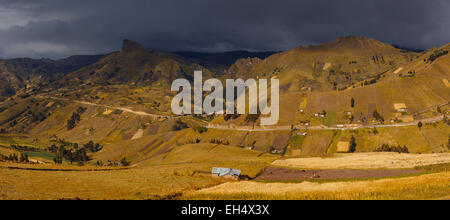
x=206 y=156
x=366 y=161
x=431 y=186
x=156 y=182
x=446 y=83
x=165 y=176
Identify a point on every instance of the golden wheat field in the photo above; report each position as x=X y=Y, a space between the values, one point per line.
x=159 y=182
x=164 y=177
x=431 y=186
x=381 y=160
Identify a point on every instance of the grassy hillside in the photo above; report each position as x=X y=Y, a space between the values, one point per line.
x=313 y=79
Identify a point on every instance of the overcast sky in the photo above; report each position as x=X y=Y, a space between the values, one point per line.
x=59 y=28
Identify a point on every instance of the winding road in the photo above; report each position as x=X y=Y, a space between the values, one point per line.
x=268 y=128
x=322 y=127
x=140 y=113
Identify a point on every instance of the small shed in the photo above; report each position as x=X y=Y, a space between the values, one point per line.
x=226 y=172
x=343 y=147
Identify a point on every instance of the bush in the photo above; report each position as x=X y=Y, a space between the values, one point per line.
x=217 y=141
x=352 y=145
x=436 y=54
x=124 y=162
x=387 y=148
x=377 y=116
x=251 y=118
x=233 y=116
x=76 y=117
x=200 y=129
x=179 y=125
x=21 y=158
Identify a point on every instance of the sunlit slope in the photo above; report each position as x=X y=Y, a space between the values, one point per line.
x=426 y=89
x=326 y=77
x=329 y=66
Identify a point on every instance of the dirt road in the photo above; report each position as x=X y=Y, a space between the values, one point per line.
x=140 y=113
x=253 y=129
x=322 y=127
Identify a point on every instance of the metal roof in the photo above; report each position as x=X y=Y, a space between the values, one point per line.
x=226 y=171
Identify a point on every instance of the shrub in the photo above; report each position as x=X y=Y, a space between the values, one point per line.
x=232 y=116
x=179 y=125
x=200 y=129
x=251 y=118
x=352 y=144
x=387 y=148
x=377 y=116
x=124 y=162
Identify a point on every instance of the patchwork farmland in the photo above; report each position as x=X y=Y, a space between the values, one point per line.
x=359 y=119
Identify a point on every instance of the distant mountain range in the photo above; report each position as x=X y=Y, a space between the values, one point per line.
x=132 y=64
x=17 y=73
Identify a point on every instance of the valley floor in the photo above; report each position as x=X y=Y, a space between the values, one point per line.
x=431 y=186
x=183 y=181
x=159 y=182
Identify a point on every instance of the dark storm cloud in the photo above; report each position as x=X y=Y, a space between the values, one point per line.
x=55 y=28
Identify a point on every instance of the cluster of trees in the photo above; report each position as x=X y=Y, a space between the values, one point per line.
x=206 y=118
x=73 y=152
x=252 y=118
x=372 y=81
x=398 y=149
x=123 y=162
x=199 y=129
x=377 y=116
x=76 y=117
x=378 y=59
x=352 y=145
x=196 y=141
x=179 y=125
x=25 y=148
x=230 y=116
x=435 y=55
x=93 y=147
x=22 y=158
x=217 y=141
